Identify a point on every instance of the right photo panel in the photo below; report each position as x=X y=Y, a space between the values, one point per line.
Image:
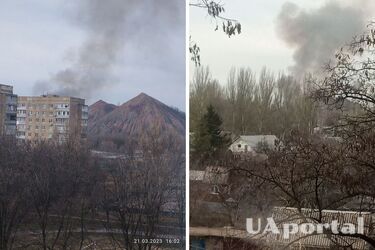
x=282 y=124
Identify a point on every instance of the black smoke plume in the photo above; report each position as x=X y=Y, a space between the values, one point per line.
x=315 y=35
x=109 y=25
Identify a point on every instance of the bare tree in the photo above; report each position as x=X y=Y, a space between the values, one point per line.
x=13 y=192
x=138 y=188
x=204 y=90
x=240 y=95
x=216 y=11
x=254 y=105
x=60 y=179
x=349 y=79
x=317 y=174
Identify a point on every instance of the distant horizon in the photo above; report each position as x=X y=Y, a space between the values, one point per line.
x=100 y=99
x=107 y=102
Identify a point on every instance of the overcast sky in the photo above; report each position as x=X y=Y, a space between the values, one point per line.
x=263 y=44
x=45 y=43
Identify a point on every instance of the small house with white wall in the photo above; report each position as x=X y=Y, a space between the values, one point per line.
x=252 y=143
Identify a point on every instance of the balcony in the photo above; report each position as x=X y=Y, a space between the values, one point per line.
x=10 y=130
x=61 y=128
x=12 y=99
x=10 y=123
x=10 y=119
x=21 y=129
x=11 y=109
x=62 y=114
x=62 y=107
x=21 y=122
x=63 y=110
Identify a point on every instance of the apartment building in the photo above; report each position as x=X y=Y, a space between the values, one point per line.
x=51 y=117
x=8 y=110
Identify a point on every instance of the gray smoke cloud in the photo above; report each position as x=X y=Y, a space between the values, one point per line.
x=316 y=35
x=109 y=25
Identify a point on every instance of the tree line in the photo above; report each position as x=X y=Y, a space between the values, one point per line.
x=251 y=104
x=59 y=196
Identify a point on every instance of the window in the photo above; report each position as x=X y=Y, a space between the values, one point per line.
x=239 y=145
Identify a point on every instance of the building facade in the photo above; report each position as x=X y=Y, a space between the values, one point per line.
x=51 y=117
x=252 y=143
x=8 y=110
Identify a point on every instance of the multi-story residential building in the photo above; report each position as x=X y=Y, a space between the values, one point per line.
x=8 y=110
x=51 y=117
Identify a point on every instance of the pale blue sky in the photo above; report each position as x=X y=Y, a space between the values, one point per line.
x=38 y=38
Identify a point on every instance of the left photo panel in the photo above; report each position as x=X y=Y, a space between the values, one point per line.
x=92 y=124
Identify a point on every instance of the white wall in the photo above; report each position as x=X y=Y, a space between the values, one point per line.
x=235 y=149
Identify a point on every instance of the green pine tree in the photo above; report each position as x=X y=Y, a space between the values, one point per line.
x=208 y=138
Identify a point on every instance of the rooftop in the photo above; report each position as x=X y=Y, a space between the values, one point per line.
x=7 y=89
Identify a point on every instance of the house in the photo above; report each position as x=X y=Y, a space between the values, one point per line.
x=212 y=177
x=252 y=143
x=206 y=203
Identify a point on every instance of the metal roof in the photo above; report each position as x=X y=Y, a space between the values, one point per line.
x=292 y=215
x=196 y=175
